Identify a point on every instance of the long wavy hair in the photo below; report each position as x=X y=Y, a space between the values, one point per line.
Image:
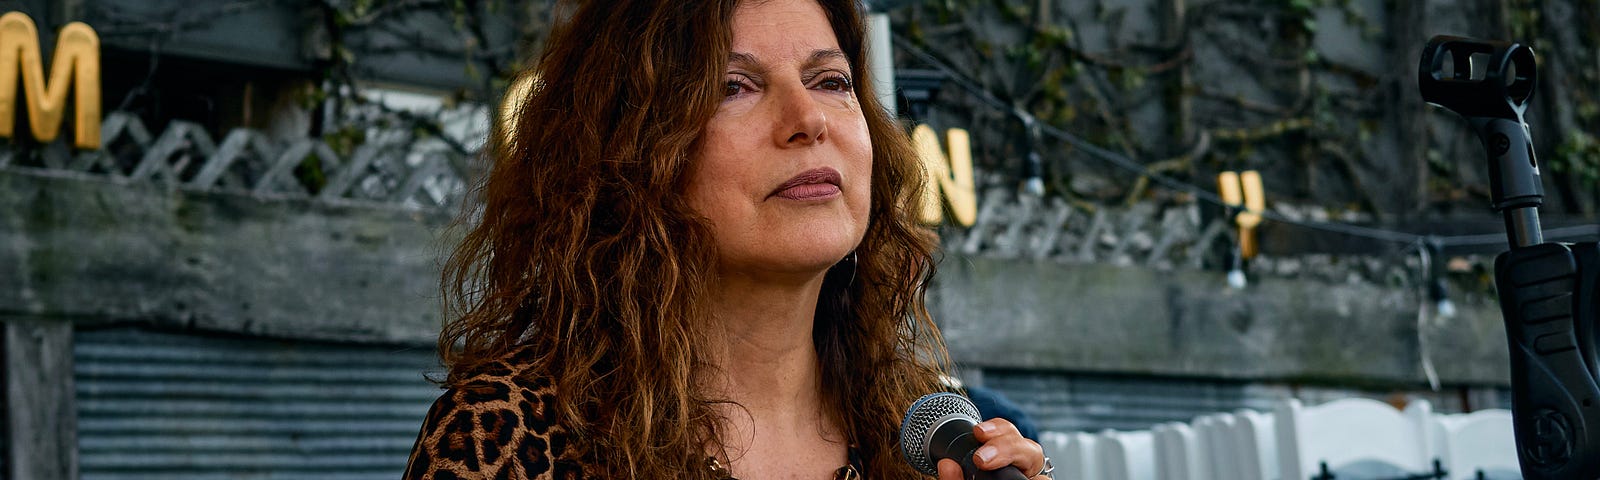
x=584 y=256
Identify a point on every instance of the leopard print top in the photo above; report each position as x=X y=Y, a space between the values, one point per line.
x=501 y=425
x=498 y=425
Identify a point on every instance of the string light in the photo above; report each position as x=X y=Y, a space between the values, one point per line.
x=1433 y=265
x=1235 y=258
x=1236 y=278
x=1032 y=163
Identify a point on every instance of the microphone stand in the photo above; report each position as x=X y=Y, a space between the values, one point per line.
x=1547 y=290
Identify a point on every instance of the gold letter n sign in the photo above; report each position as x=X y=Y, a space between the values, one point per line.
x=1242 y=191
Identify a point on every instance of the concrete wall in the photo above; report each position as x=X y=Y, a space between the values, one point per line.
x=1082 y=346
x=1022 y=314
x=94 y=250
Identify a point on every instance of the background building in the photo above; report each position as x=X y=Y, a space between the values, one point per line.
x=241 y=282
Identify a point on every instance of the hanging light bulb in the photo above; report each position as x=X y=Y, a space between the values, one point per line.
x=1032 y=179
x=1032 y=164
x=1438 y=290
x=1440 y=293
x=1236 y=278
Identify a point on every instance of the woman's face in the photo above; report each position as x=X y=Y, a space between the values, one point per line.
x=783 y=171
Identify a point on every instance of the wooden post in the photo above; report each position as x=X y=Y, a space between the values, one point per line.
x=1409 y=189
x=64 y=11
x=1179 y=102
x=40 y=406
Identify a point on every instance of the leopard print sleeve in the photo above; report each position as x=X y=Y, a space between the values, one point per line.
x=499 y=425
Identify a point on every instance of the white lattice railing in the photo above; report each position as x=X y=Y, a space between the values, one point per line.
x=399 y=171
x=1154 y=235
x=396 y=169
x=1010 y=225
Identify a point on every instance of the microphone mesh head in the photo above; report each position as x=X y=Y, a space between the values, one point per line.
x=920 y=421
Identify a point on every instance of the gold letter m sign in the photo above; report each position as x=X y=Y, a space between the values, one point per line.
x=77 y=58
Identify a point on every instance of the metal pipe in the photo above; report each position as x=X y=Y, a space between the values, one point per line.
x=1522 y=225
x=880 y=61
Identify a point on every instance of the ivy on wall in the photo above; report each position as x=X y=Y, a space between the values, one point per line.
x=1318 y=94
x=1568 y=47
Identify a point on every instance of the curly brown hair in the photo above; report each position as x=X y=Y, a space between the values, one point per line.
x=585 y=251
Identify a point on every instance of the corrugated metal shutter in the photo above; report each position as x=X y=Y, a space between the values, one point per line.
x=1075 y=402
x=180 y=406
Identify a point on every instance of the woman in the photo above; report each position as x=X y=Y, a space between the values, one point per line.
x=696 y=259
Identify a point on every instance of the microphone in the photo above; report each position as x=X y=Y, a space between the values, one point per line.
x=939 y=426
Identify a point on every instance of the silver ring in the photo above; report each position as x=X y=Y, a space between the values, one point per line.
x=1048 y=468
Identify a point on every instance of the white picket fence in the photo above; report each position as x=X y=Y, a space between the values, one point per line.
x=1348 y=439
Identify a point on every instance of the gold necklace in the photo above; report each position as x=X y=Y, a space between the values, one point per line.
x=847 y=472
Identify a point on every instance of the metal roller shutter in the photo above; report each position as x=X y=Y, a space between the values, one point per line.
x=155 y=405
x=1076 y=402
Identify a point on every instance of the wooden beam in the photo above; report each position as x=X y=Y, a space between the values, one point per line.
x=1407 y=22
x=40 y=406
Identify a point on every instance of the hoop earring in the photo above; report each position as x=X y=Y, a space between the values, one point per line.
x=853 y=265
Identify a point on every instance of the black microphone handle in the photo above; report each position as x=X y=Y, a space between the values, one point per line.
x=961 y=447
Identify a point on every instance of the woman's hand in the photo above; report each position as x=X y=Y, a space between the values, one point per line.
x=1002 y=445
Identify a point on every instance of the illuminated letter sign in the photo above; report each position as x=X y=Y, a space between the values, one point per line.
x=511 y=106
x=76 y=62
x=1243 y=189
x=952 y=176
